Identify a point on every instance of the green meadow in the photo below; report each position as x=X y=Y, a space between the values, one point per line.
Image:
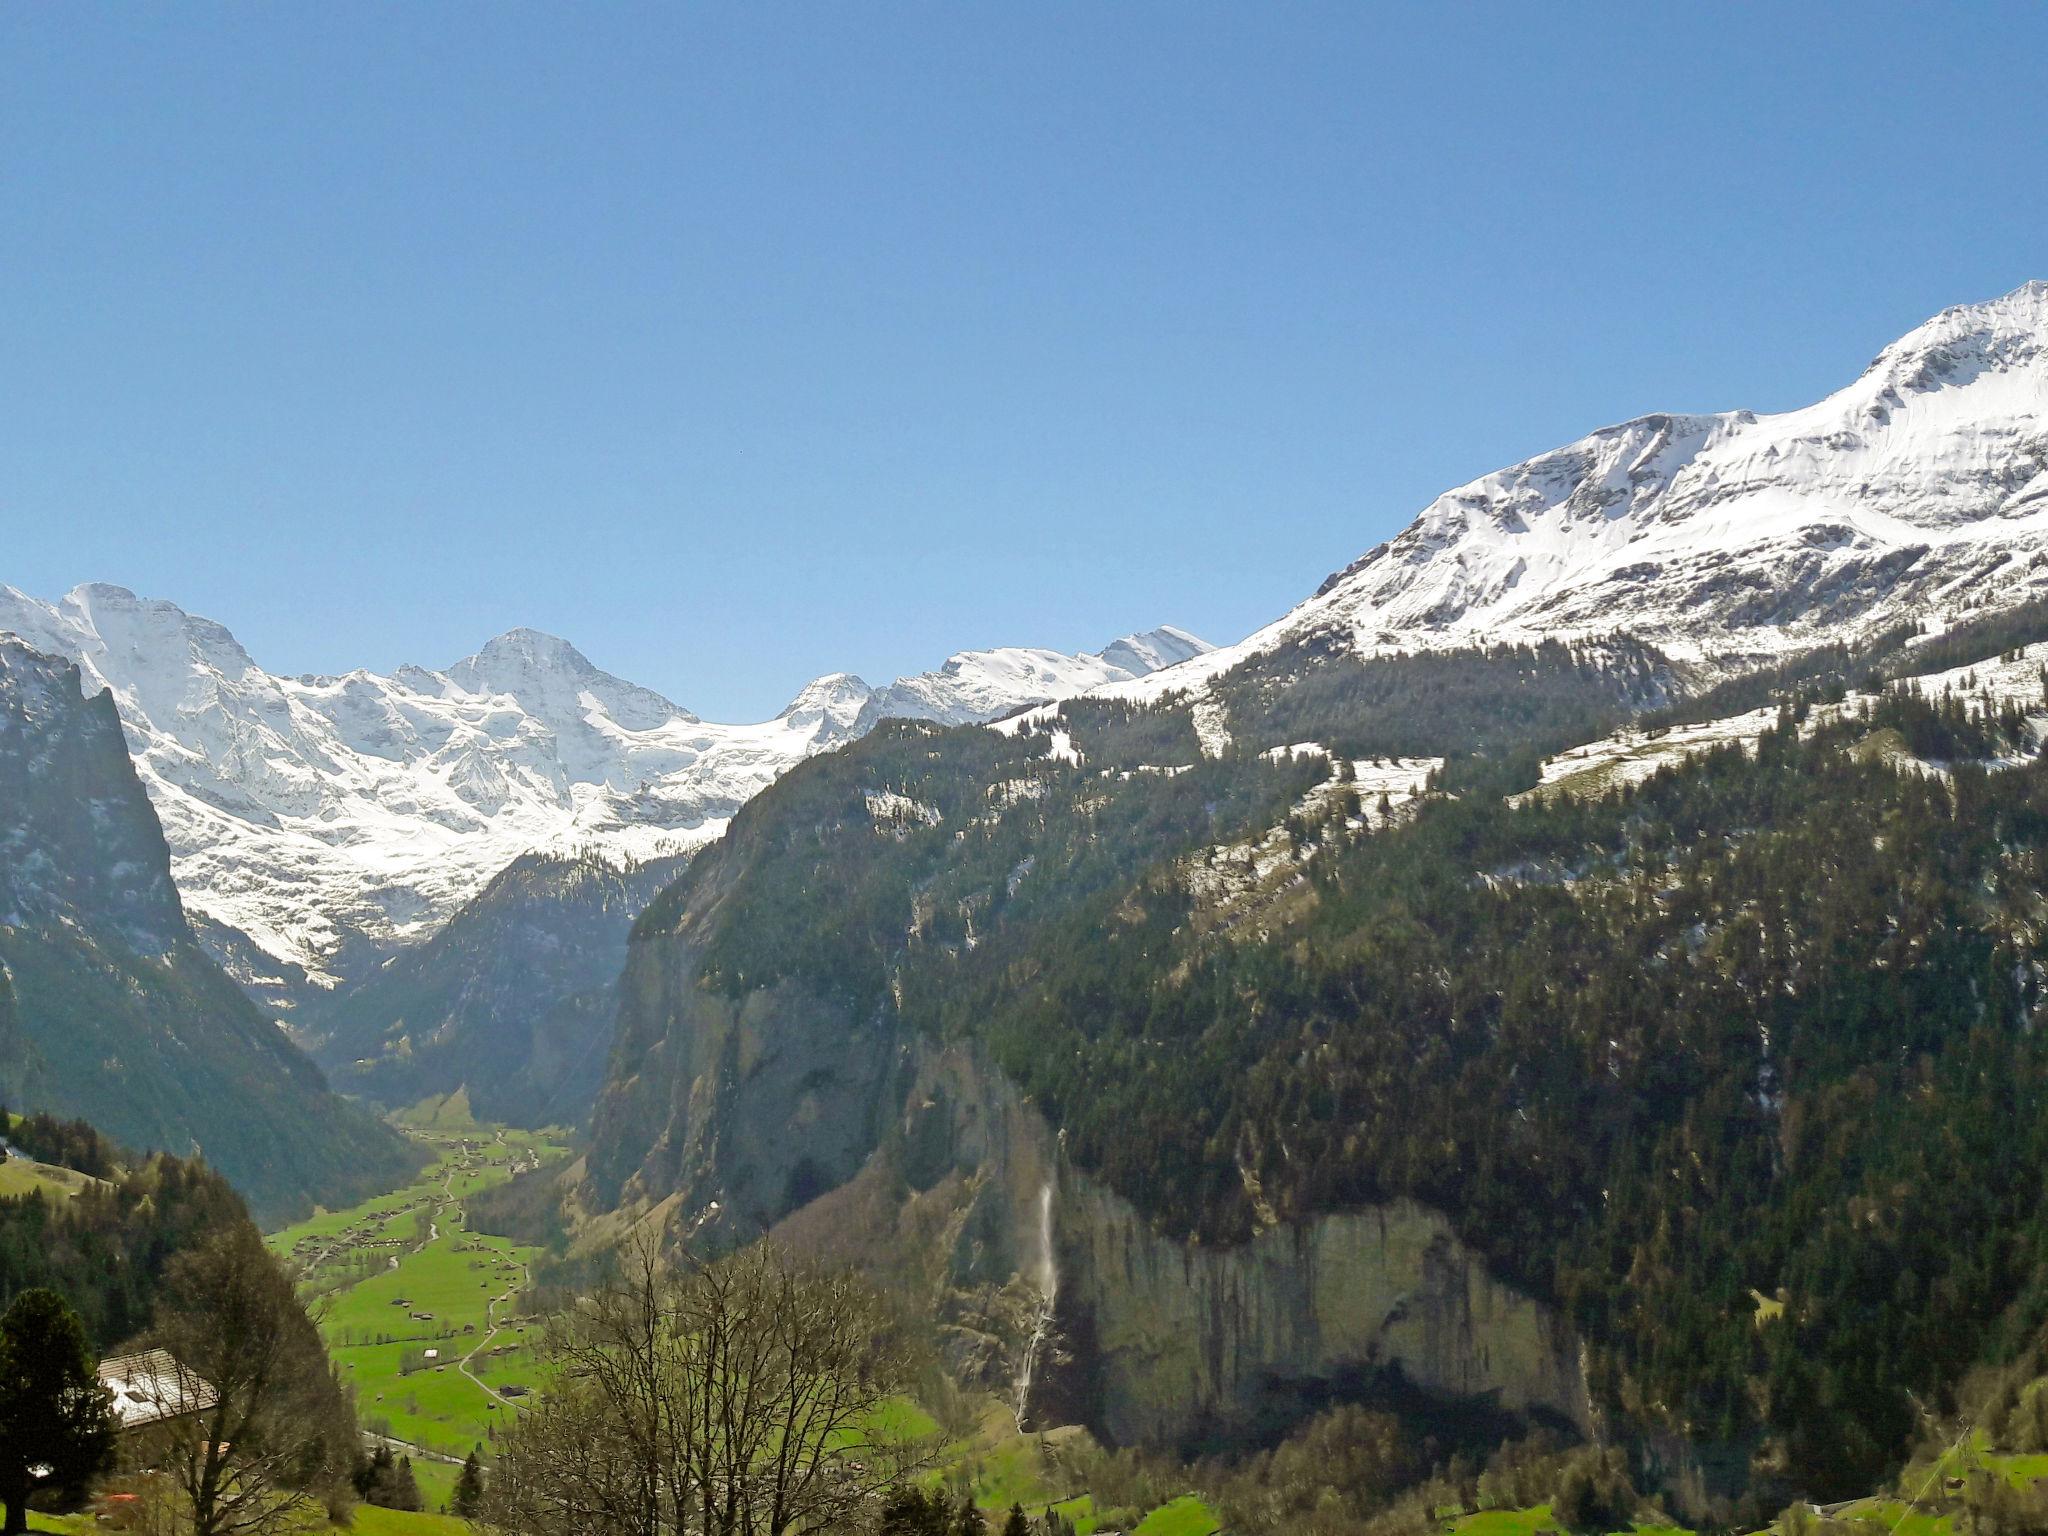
x=401 y=1274
x=419 y=1313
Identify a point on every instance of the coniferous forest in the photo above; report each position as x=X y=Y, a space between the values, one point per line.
x=1737 y=1065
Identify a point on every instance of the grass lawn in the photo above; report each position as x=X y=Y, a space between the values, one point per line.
x=19 y=1175
x=1896 y=1517
x=1185 y=1516
x=1506 y=1522
x=2020 y=1471
x=372 y=1521
x=1003 y=1467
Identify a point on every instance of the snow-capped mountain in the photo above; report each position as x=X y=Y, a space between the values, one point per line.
x=326 y=819
x=1920 y=490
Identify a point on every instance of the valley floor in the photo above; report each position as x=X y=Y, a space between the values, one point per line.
x=418 y=1312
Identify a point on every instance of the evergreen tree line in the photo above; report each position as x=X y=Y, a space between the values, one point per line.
x=72 y=1144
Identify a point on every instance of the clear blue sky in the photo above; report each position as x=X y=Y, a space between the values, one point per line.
x=747 y=342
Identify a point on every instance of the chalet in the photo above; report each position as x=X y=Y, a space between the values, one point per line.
x=154 y=1388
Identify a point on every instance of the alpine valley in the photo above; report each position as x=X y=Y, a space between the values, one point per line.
x=1579 y=970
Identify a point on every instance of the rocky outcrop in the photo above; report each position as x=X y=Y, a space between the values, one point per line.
x=745 y=1110
x=1186 y=1345
x=781 y=1111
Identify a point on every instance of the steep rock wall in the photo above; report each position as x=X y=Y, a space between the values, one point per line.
x=783 y=1111
x=1185 y=1344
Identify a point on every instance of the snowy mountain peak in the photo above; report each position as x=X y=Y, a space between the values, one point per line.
x=2009 y=330
x=832 y=703
x=326 y=819
x=1153 y=649
x=554 y=680
x=1962 y=346
x=1921 y=488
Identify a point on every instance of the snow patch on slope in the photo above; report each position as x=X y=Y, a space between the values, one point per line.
x=1630 y=757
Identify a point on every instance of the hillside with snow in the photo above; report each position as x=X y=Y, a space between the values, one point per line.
x=315 y=823
x=1919 y=491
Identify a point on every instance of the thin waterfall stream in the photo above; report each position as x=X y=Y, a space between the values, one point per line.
x=1048 y=1281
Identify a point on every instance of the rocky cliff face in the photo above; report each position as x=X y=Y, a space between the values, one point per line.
x=109 y=1009
x=742 y=1111
x=854 y=1138
x=1187 y=1345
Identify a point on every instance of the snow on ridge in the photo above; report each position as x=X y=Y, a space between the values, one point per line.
x=1629 y=757
x=330 y=818
x=1727 y=539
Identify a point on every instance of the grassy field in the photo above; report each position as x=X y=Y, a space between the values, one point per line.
x=367 y=1520
x=19 y=1175
x=399 y=1275
x=1185 y=1516
x=1505 y=1522
x=1003 y=1468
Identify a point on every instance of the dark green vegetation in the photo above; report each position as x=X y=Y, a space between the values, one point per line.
x=1829 y=671
x=106 y=1248
x=1763 y=1025
x=109 y=1009
x=1510 y=698
x=72 y=1144
x=56 y=1426
x=513 y=998
x=159 y=1252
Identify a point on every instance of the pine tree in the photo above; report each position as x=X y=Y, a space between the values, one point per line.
x=56 y=1421
x=469 y=1488
x=1017 y=1524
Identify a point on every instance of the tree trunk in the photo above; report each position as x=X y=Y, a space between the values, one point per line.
x=17 y=1514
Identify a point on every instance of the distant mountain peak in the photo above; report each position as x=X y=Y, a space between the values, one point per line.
x=559 y=683
x=833 y=703
x=326 y=820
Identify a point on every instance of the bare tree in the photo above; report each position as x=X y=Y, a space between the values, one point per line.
x=741 y=1398
x=279 y=1426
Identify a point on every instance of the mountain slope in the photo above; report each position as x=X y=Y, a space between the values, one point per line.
x=114 y=1012
x=1920 y=490
x=513 y=997
x=1181 y=1043
x=1247 y=1054
x=316 y=823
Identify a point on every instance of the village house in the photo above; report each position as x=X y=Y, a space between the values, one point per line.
x=152 y=1393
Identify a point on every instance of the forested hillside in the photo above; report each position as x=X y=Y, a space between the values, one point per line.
x=1736 y=1066
x=105 y=1247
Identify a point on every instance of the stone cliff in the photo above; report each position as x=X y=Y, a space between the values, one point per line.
x=1189 y=1345
x=852 y=1137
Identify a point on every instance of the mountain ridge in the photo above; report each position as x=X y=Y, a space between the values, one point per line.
x=317 y=823
x=109 y=1008
x=1732 y=538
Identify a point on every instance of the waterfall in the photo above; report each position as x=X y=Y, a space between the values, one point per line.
x=1048 y=1293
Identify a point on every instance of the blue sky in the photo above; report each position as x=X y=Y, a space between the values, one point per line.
x=744 y=343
